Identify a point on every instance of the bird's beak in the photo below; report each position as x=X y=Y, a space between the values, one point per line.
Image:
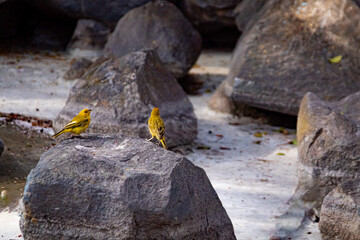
x=90 y=110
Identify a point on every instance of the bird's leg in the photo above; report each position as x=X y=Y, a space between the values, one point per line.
x=150 y=139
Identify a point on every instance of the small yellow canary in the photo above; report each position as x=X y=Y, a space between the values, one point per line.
x=78 y=124
x=157 y=127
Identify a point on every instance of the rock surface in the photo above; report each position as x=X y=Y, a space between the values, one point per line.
x=89 y=35
x=108 y=11
x=245 y=12
x=161 y=26
x=113 y=187
x=52 y=34
x=286 y=51
x=210 y=15
x=77 y=69
x=328 y=144
x=122 y=92
x=340 y=212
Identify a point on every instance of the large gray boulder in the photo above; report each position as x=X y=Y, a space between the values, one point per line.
x=340 y=212
x=89 y=35
x=114 y=187
x=285 y=53
x=161 y=26
x=122 y=92
x=328 y=145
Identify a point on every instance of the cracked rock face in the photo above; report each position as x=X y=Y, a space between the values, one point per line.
x=329 y=143
x=158 y=25
x=115 y=187
x=340 y=212
x=285 y=53
x=122 y=92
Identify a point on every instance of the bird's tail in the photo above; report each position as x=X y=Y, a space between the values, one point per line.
x=163 y=142
x=58 y=134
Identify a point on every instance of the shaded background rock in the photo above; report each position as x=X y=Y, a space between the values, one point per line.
x=54 y=34
x=245 y=12
x=328 y=144
x=108 y=11
x=161 y=26
x=113 y=187
x=286 y=52
x=1 y=147
x=340 y=212
x=24 y=26
x=11 y=15
x=89 y=35
x=213 y=18
x=122 y=92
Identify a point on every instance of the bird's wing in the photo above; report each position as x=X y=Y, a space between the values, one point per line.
x=75 y=123
x=160 y=128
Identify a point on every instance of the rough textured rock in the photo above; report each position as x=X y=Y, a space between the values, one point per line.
x=77 y=69
x=245 y=12
x=286 y=51
x=113 y=187
x=328 y=143
x=158 y=25
x=122 y=92
x=89 y=35
x=210 y=15
x=106 y=11
x=340 y=212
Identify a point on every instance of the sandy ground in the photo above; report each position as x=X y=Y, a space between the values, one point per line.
x=254 y=176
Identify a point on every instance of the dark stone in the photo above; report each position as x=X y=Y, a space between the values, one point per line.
x=52 y=34
x=113 y=187
x=23 y=26
x=78 y=68
x=158 y=25
x=328 y=145
x=11 y=12
x=122 y=92
x=1 y=147
x=89 y=35
x=210 y=15
x=286 y=51
x=340 y=212
x=106 y=11
x=245 y=12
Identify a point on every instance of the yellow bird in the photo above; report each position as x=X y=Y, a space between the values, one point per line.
x=157 y=127
x=78 y=124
